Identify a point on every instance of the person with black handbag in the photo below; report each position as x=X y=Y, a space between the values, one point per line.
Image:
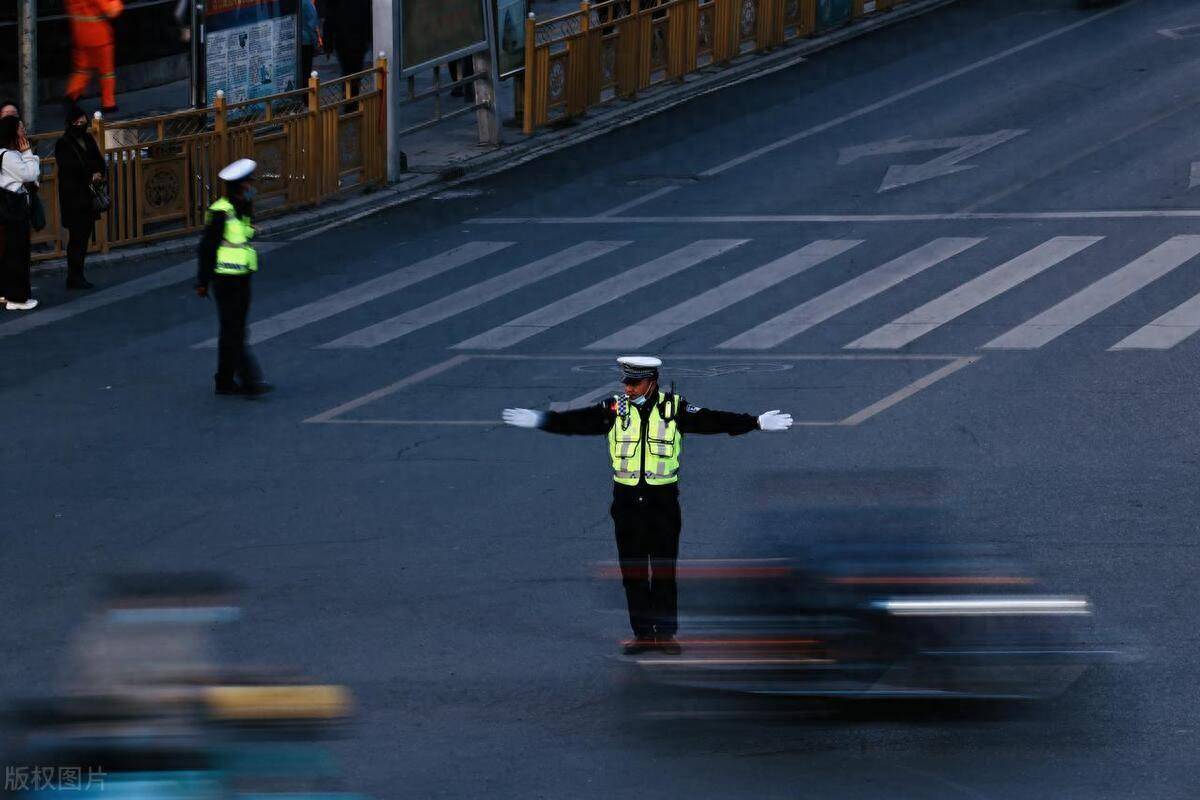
x=18 y=167
x=81 y=197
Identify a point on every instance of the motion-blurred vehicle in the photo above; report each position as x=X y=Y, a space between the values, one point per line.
x=145 y=709
x=876 y=621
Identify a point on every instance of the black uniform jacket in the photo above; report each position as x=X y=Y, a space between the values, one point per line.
x=598 y=420
x=210 y=240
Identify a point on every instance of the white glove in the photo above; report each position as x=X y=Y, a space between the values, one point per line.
x=523 y=417
x=774 y=421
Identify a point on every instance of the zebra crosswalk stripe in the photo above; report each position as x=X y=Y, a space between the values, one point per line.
x=721 y=297
x=972 y=294
x=375 y=288
x=795 y=321
x=598 y=294
x=473 y=296
x=1167 y=331
x=1104 y=293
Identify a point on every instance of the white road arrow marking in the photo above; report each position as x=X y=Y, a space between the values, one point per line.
x=1195 y=175
x=898 y=175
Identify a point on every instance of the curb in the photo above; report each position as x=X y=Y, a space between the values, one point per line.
x=596 y=122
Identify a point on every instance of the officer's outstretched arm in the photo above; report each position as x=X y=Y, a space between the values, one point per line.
x=591 y=421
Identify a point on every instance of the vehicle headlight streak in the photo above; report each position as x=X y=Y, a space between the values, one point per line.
x=982 y=606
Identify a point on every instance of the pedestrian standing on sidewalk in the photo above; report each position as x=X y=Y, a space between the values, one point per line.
x=348 y=33
x=81 y=171
x=228 y=262
x=645 y=428
x=8 y=108
x=18 y=167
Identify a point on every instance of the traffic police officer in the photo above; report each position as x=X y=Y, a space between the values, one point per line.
x=227 y=262
x=645 y=428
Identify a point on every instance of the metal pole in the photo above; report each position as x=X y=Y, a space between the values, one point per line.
x=27 y=45
x=487 y=118
x=385 y=18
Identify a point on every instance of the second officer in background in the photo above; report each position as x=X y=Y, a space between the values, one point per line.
x=227 y=262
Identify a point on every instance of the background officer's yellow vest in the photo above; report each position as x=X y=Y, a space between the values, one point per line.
x=235 y=255
x=663 y=444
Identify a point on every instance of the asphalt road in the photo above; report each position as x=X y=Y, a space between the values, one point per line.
x=394 y=537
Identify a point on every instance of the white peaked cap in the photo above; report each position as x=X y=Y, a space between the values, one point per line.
x=639 y=366
x=239 y=170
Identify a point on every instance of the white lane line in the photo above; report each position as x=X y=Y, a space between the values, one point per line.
x=973 y=293
x=908 y=391
x=598 y=294
x=370 y=397
x=857 y=290
x=1104 y=293
x=621 y=209
x=587 y=397
x=1167 y=331
x=375 y=288
x=876 y=106
x=775 y=219
x=904 y=95
x=721 y=297
x=1077 y=156
x=473 y=296
x=170 y=276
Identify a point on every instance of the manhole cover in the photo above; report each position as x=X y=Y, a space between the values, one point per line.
x=655 y=181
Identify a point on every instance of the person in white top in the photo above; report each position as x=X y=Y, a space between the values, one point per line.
x=18 y=166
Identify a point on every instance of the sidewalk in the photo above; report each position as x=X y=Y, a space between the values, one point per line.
x=448 y=155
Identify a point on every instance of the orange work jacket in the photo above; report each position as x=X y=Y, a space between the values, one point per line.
x=90 y=24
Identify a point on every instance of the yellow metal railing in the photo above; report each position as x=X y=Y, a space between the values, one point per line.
x=311 y=144
x=617 y=48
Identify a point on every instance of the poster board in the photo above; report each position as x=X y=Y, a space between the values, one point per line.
x=433 y=31
x=510 y=35
x=250 y=48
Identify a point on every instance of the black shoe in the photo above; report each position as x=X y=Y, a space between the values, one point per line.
x=228 y=388
x=668 y=645
x=642 y=644
x=258 y=388
x=80 y=283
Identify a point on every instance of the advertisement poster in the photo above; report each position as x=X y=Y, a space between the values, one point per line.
x=510 y=33
x=250 y=48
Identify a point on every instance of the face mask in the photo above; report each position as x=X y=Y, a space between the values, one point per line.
x=248 y=195
x=78 y=129
x=639 y=401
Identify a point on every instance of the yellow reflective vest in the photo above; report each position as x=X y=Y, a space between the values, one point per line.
x=653 y=451
x=235 y=255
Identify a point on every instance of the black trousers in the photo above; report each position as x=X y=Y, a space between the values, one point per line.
x=15 y=262
x=306 y=59
x=80 y=235
x=648 y=522
x=234 y=359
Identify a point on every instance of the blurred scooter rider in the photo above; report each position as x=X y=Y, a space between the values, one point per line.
x=227 y=262
x=645 y=428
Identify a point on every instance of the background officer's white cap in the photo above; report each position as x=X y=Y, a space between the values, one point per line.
x=638 y=367
x=239 y=170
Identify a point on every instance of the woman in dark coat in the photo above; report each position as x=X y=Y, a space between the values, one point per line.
x=80 y=167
